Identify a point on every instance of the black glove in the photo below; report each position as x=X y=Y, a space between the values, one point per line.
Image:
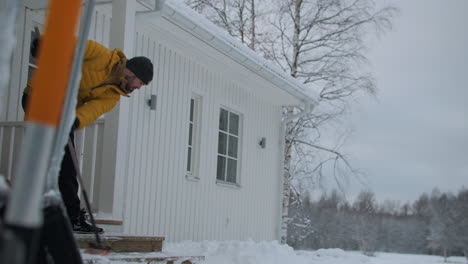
x=34 y=47
x=35 y=42
x=76 y=124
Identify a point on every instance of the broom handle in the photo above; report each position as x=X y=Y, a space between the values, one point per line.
x=83 y=189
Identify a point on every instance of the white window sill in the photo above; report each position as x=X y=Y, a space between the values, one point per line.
x=191 y=178
x=228 y=184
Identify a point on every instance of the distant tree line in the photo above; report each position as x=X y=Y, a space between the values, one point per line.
x=433 y=224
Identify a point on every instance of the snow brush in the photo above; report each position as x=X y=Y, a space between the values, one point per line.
x=67 y=119
x=28 y=228
x=94 y=248
x=62 y=137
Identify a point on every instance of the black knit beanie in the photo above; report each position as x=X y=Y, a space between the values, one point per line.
x=142 y=68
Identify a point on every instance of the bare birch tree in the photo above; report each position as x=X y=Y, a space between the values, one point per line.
x=237 y=17
x=321 y=43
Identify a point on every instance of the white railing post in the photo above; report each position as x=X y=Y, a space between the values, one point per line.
x=111 y=199
x=11 y=137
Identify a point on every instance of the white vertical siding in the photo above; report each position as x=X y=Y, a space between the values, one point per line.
x=159 y=198
x=11 y=136
x=100 y=25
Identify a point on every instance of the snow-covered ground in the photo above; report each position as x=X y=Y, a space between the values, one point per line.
x=249 y=252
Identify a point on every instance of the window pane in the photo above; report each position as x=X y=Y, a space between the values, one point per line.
x=222 y=143
x=231 y=171
x=232 y=150
x=190 y=134
x=223 y=120
x=189 y=159
x=192 y=103
x=221 y=171
x=234 y=124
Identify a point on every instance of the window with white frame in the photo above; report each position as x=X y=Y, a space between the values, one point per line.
x=228 y=147
x=193 y=137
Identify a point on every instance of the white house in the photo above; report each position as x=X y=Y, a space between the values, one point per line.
x=205 y=161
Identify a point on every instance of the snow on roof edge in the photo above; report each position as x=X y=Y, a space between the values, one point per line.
x=211 y=33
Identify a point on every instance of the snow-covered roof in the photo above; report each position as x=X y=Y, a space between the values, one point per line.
x=205 y=30
x=222 y=41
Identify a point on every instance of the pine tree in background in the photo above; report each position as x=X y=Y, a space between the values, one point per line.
x=365 y=230
x=443 y=225
x=462 y=207
x=422 y=211
x=438 y=222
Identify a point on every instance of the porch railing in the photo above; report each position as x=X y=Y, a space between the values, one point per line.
x=11 y=137
x=88 y=146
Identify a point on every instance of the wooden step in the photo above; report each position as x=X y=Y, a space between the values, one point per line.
x=141 y=258
x=123 y=243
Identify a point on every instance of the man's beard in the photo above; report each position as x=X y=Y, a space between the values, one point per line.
x=125 y=88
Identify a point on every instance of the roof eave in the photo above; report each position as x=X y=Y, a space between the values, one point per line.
x=194 y=23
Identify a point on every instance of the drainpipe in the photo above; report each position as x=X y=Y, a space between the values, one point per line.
x=309 y=107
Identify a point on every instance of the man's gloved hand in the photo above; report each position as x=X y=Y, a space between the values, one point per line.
x=35 y=42
x=76 y=124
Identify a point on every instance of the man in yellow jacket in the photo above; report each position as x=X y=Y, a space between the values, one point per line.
x=105 y=76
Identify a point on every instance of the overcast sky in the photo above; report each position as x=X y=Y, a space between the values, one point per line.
x=414 y=136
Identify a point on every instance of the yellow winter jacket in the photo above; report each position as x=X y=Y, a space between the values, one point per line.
x=101 y=78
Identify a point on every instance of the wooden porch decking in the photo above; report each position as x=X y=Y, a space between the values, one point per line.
x=149 y=260
x=134 y=249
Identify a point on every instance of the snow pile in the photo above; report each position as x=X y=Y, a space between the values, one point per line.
x=250 y=252
x=330 y=252
x=235 y=252
x=337 y=256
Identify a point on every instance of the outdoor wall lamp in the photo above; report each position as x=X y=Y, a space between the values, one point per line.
x=262 y=143
x=152 y=102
